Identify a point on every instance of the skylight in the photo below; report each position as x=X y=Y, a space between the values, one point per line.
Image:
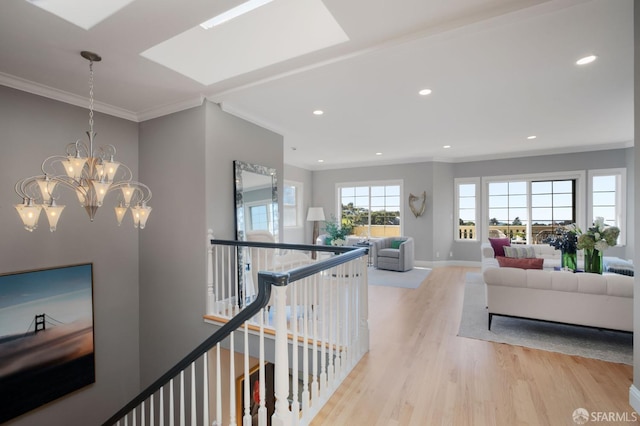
x=234 y=13
x=85 y=14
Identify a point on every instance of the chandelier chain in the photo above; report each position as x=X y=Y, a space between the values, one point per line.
x=91 y=98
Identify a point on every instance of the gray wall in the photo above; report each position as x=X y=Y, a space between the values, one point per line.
x=34 y=128
x=434 y=230
x=172 y=246
x=301 y=234
x=614 y=158
x=189 y=156
x=417 y=177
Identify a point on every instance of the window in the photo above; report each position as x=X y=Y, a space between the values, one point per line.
x=467 y=207
x=259 y=217
x=373 y=209
x=528 y=209
x=292 y=194
x=607 y=198
x=552 y=205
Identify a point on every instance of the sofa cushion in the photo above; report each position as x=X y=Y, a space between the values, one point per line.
x=396 y=244
x=497 y=244
x=519 y=252
x=389 y=252
x=524 y=263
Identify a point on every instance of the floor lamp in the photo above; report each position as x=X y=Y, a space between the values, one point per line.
x=315 y=214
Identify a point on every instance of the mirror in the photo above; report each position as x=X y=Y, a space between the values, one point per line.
x=256 y=193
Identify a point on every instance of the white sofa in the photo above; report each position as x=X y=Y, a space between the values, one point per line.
x=603 y=301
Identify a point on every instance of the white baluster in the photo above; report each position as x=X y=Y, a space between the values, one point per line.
x=205 y=389
x=182 y=408
x=134 y=418
x=126 y=420
x=210 y=296
x=152 y=421
x=246 y=419
x=323 y=327
x=295 y=406
x=282 y=415
x=262 y=410
x=192 y=397
x=333 y=282
x=363 y=310
x=142 y=419
x=218 y=387
x=161 y=407
x=172 y=413
x=230 y=281
x=316 y=301
x=305 y=349
x=232 y=381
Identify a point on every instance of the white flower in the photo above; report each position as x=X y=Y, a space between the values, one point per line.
x=601 y=245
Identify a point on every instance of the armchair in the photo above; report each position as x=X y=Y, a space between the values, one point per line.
x=394 y=254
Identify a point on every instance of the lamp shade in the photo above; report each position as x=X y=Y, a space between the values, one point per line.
x=315 y=213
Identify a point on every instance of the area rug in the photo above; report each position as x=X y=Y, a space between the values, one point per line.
x=409 y=279
x=606 y=345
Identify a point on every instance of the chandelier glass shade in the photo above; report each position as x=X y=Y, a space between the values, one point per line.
x=91 y=172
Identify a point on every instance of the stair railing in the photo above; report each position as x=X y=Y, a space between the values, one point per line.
x=324 y=328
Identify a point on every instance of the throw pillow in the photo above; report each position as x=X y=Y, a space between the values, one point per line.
x=519 y=252
x=396 y=244
x=524 y=263
x=497 y=244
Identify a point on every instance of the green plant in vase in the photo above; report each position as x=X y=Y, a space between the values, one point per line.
x=566 y=240
x=337 y=232
x=594 y=241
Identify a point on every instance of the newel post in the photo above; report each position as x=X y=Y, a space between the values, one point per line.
x=282 y=415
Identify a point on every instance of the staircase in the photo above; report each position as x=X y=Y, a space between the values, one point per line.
x=288 y=335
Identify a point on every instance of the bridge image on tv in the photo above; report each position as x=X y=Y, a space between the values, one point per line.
x=46 y=336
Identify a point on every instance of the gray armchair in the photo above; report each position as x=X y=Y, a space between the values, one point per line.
x=387 y=256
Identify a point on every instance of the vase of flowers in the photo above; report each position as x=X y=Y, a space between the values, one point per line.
x=337 y=232
x=594 y=241
x=566 y=240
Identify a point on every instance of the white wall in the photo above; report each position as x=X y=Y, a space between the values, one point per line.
x=34 y=128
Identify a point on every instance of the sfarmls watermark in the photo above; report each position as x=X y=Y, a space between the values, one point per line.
x=581 y=416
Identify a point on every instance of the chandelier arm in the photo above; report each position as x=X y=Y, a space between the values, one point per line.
x=78 y=147
x=50 y=161
x=106 y=152
x=27 y=188
x=69 y=183
x=141 y=188
x=127 y=175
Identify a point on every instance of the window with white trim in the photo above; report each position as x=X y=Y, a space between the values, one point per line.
x=466 y=204
x=374 y=209
x=529 y=208
x=607 y=198
x=291 y=206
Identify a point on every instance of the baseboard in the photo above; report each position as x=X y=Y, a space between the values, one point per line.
x=634 y=398
x=432 y=264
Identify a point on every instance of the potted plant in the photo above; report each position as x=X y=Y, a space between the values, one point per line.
x=337 y=232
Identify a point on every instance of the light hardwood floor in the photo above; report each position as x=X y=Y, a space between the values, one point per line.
x=418 y=372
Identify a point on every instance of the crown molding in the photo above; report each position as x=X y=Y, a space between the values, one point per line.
x=171 y=108
x=62 y=96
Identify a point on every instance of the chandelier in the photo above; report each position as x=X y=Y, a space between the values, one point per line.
x=91 y=172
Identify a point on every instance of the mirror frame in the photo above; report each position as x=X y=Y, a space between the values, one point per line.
x=240 y=167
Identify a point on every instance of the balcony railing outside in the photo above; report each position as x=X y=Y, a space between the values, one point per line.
x=514 y=232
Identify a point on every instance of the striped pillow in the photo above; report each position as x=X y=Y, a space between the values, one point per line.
x=519 y=252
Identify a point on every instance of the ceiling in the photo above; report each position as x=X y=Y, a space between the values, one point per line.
x=499 y=71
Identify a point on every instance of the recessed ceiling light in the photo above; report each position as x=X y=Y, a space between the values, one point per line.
x=230 y=14
x=446 y=146
x=320 y=161
x=318 y=112
x=586 y=60
x=378 y=153
x=424 y=92
x=531 y=137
